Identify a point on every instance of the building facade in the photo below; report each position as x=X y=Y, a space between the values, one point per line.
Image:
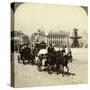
x=59 y=39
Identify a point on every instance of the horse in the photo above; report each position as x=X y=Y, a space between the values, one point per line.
x=50 y=63
x=61 y=62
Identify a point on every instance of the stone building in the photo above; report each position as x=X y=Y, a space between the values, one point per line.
x=58 y=39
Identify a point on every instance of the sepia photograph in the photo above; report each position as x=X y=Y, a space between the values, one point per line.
x=49 y=44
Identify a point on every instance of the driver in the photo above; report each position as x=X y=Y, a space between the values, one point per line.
x=51 y=52
x=50 y=49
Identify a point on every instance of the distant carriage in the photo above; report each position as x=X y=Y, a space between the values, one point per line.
x=26 y=54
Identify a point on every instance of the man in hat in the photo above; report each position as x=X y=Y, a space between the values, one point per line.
x=51 y=54
x=27 y=52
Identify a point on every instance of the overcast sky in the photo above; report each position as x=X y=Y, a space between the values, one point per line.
x=30 y=17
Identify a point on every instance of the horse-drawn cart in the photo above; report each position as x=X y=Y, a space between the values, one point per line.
x=42 y=62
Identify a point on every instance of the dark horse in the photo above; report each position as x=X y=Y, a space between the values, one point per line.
x=51 y=62
x=61 y=62
x=58 y=61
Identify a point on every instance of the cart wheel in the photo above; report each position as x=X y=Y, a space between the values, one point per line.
x=39 y=65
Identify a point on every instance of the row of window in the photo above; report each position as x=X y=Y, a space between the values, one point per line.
x=57 y=35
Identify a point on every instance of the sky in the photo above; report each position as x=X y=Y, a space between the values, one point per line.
x=30 y=17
